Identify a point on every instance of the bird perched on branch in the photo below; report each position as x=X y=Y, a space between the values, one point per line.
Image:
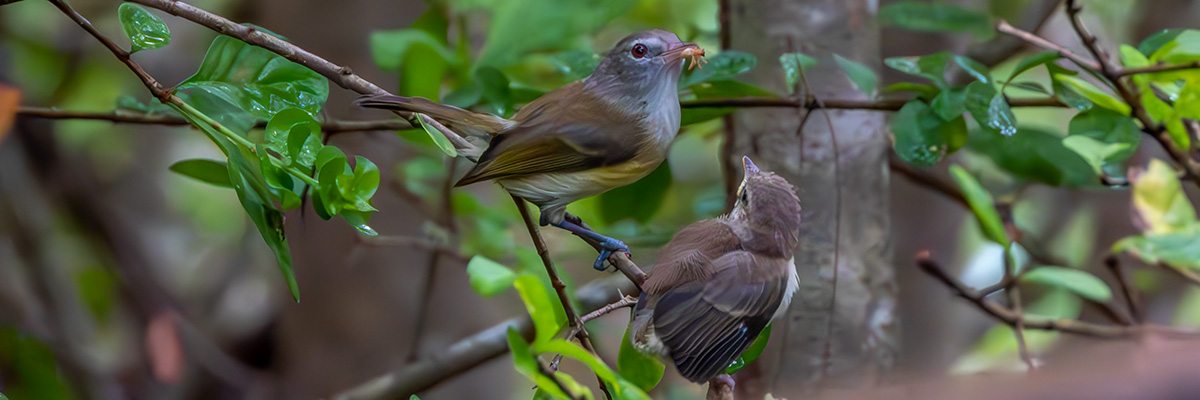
x=719 y=281
x=605 y=131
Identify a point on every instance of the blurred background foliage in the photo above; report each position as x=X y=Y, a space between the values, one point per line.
x=381 y=302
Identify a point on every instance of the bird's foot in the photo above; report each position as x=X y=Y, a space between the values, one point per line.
x=607 y=247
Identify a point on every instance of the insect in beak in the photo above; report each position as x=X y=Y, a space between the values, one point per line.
x=690 y=52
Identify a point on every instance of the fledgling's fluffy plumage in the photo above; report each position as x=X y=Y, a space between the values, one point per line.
x=719 y=281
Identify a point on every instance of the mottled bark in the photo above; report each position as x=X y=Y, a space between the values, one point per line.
x=844 y=195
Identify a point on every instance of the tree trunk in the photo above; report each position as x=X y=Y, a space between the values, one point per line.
x=843 y=188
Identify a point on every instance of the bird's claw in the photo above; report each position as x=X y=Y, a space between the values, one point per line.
x=607 y=247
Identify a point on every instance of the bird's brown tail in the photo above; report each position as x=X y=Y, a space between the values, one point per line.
x=464 y=122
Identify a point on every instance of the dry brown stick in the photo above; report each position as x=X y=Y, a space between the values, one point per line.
x=1153 y=69
x=627 y=301
x=1127 y=290
x=1005 y=27
x=334 y=126
x=559 y=287
x=1014 y=302
x=1076 y=327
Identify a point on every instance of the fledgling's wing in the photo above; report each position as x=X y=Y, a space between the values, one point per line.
x=689 y=254
x=567 y=130
x=707 y=324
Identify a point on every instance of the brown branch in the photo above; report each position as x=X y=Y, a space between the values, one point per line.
x=1002 y=47
x=334 y=126
x=559 y=287
x=1039 y=41
x=153 y=85
x=1153 y=69
x=1127 y=290
x=474 y=350
x=1009 y=317
x=627 y=301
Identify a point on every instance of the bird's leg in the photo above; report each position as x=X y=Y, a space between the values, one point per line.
x=720 y=387
x=607 y=244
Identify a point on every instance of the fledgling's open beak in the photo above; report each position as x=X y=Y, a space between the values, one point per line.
x=685 y=51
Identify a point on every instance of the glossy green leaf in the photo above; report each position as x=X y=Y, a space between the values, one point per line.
x=1118 y=132
x=641 y=369
x=936 y=17
x=622 y=389
x=546 y=312
x=950 y=103
x=208 y=171
x=752 y=352
x=526 y=363
x=728 y=88
x=1096 y=153
x=1063 y=92
x=1032 y=61
x=496 y=90
x=1031 y=86
x=923 y=90
x=255 y=197
x=723 y=66
x=366 y=178
x=990 y=109
x=1035 y=155
x=638 y=201
x=1132 y=58
x=863 y=77
x=1152 y=43
x=932 y=66
x=252 y=79
x=1180 y=249
x=1077 y=281
x=981 y=204
x=438 y=138
x=921 y=137
x=973 y=68
x=389 y=49
x=1093 y=94
x=794 y=64
x=144 y=29
x=294 y=135
x=488 y=277
x=1184 y=47
x=1159 y=203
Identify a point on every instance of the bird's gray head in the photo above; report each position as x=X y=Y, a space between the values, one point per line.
x=769 y=205
x=643 y=65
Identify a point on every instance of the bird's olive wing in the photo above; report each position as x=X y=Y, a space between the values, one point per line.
x=706 y=325
x=551 y=147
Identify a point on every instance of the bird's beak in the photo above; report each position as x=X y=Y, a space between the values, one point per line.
x=685 y=51
x=748 y=166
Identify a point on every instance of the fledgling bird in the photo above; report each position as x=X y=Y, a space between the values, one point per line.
x=719 y=281
x=605 y=131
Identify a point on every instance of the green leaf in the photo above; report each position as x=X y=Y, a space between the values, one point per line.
x=1095 y=152
x=1035 y=155
x=1132 y=58
x=752 y=352
x=1118 y=133
x=1093 y=94
x=294 y=135
x=576 y=64
x=925 y=91
x=1030 y=86
x=366 y=178
x=932 y=66
x=1156 y=41
x=440 y=140
x=921 y=137
x=1064 y=93
x=1032 y=61
x=208 y=171
x=973 y=68
x=546 y=313
x=1179 y=249
x=950 y=103
x=981 y=204
x=496 y=89
x=525 y=362
x=794 y=64
x=1077 y=281
x=936 y=17
x=1159 y=203
x=237 y=75
x=31 y=369
x=255 y=197
x=1185 y=47
x=144 y=29
x=520 y=27
x=990 y=109
x=488 y=277
x=642 y=370
x=862 y=76
x=622 y=389
x=639 y=200
x=723 y=66
x=389 y=49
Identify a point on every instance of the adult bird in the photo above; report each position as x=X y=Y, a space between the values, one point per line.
x=720 y=281
x=605 y=131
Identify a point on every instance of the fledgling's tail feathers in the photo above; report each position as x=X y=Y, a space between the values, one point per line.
x=463 y=122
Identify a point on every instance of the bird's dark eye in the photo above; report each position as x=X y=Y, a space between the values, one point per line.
x=639 y=50
x=745 y=196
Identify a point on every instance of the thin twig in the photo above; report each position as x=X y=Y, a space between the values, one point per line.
x=1004 y=27
x=1014 y=302
x=1009 y=317
x=1127 y=290
x=1153 y=69
x=627 y=301
x=559 y=287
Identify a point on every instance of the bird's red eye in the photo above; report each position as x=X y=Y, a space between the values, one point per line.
x=639 y=50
